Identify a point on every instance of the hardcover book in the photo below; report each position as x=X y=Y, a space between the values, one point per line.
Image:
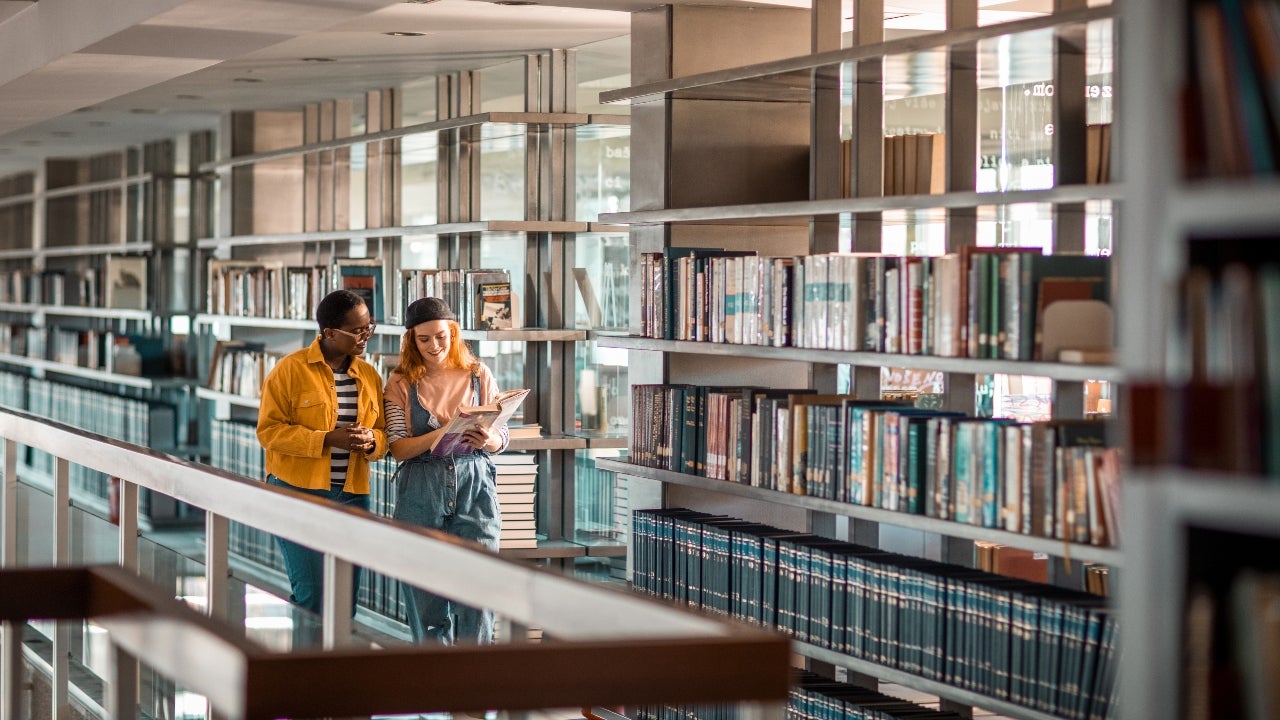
x=493 y=306
x=365 y=278
x=480 y=416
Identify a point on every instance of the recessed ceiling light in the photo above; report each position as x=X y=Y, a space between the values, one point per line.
x=247 y=80
x=189 y=97
x=403 y=33
x=318 y=59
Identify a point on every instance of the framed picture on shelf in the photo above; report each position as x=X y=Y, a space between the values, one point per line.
x=125 y=282
x=365 y=277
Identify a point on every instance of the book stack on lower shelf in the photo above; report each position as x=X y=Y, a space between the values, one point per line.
x=138 y=420
x=1014 y=643
x=234 y=447
x=382 y=594
x=516 y=480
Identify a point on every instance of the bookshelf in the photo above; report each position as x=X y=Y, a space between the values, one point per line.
x=477 y=190
x=747 y=146
x=1202 y=508
x=93 y=320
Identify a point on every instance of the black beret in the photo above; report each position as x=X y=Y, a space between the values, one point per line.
x=425 y=310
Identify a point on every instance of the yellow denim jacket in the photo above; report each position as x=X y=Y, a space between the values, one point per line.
x=300 y=404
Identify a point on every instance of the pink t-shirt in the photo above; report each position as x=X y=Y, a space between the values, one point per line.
x=441 y=394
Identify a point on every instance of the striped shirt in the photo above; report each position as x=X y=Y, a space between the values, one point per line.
x=348 y=393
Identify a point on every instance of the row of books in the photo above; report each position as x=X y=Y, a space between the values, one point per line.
x=238 y=367
x=481 y=298
x=94 y=349
x=1030 y=644
x=1050 y=479
x=234 y=447
x=980 y=303
x=1231 y=95
x=134 y=420
x=121 y=283
x=256 y=288
x=1230 y=625
x=1223 y=412
x=914 y=164
x=271 y=289
x=600 y=508
x=1232 y=340
x=380 y=593
x=812 y=697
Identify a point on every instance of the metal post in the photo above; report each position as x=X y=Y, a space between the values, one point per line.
x=121 y=699
x=825 y=164
x=128 y=499
x=11 y=693
x=1069 y=127
x=961 y=130
x=337 y=607
x=217 y=570
x=9 y=506
x=61 y=660
x=868 y=123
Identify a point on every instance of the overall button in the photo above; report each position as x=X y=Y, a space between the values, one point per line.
x=449 y=504
x=448 y=467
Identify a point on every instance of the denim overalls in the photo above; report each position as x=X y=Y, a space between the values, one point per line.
x=456 y=494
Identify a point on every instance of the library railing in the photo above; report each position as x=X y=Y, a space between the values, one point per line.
x=603 y=646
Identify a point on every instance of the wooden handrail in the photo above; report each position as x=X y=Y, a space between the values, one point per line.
x=609 y=647
x=243 y=680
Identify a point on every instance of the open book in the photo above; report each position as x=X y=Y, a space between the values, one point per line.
x=468 y=417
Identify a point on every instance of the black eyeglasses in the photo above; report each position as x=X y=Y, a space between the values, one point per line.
x=363 y=333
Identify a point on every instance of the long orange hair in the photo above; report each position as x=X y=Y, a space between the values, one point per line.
x=413 y=366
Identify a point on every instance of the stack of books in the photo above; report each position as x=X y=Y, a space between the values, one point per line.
x=517 y=476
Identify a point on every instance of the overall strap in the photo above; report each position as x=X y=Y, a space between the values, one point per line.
x=475 y=389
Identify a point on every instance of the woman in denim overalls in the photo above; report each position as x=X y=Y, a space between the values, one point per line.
x=454 y=493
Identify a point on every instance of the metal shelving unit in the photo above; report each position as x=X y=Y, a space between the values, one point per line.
x=537 y=230
x=800 y=211
x=1056 y=371
x=453 y=228
x=753 y=199
x=144 y=383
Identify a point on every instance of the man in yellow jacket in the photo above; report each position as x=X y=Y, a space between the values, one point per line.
x=320 y=423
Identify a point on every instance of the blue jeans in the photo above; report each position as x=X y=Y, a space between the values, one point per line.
x=305 y=566
x=455 y=494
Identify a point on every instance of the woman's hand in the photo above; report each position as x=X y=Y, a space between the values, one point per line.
x=483 y=438
x=353 y=438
